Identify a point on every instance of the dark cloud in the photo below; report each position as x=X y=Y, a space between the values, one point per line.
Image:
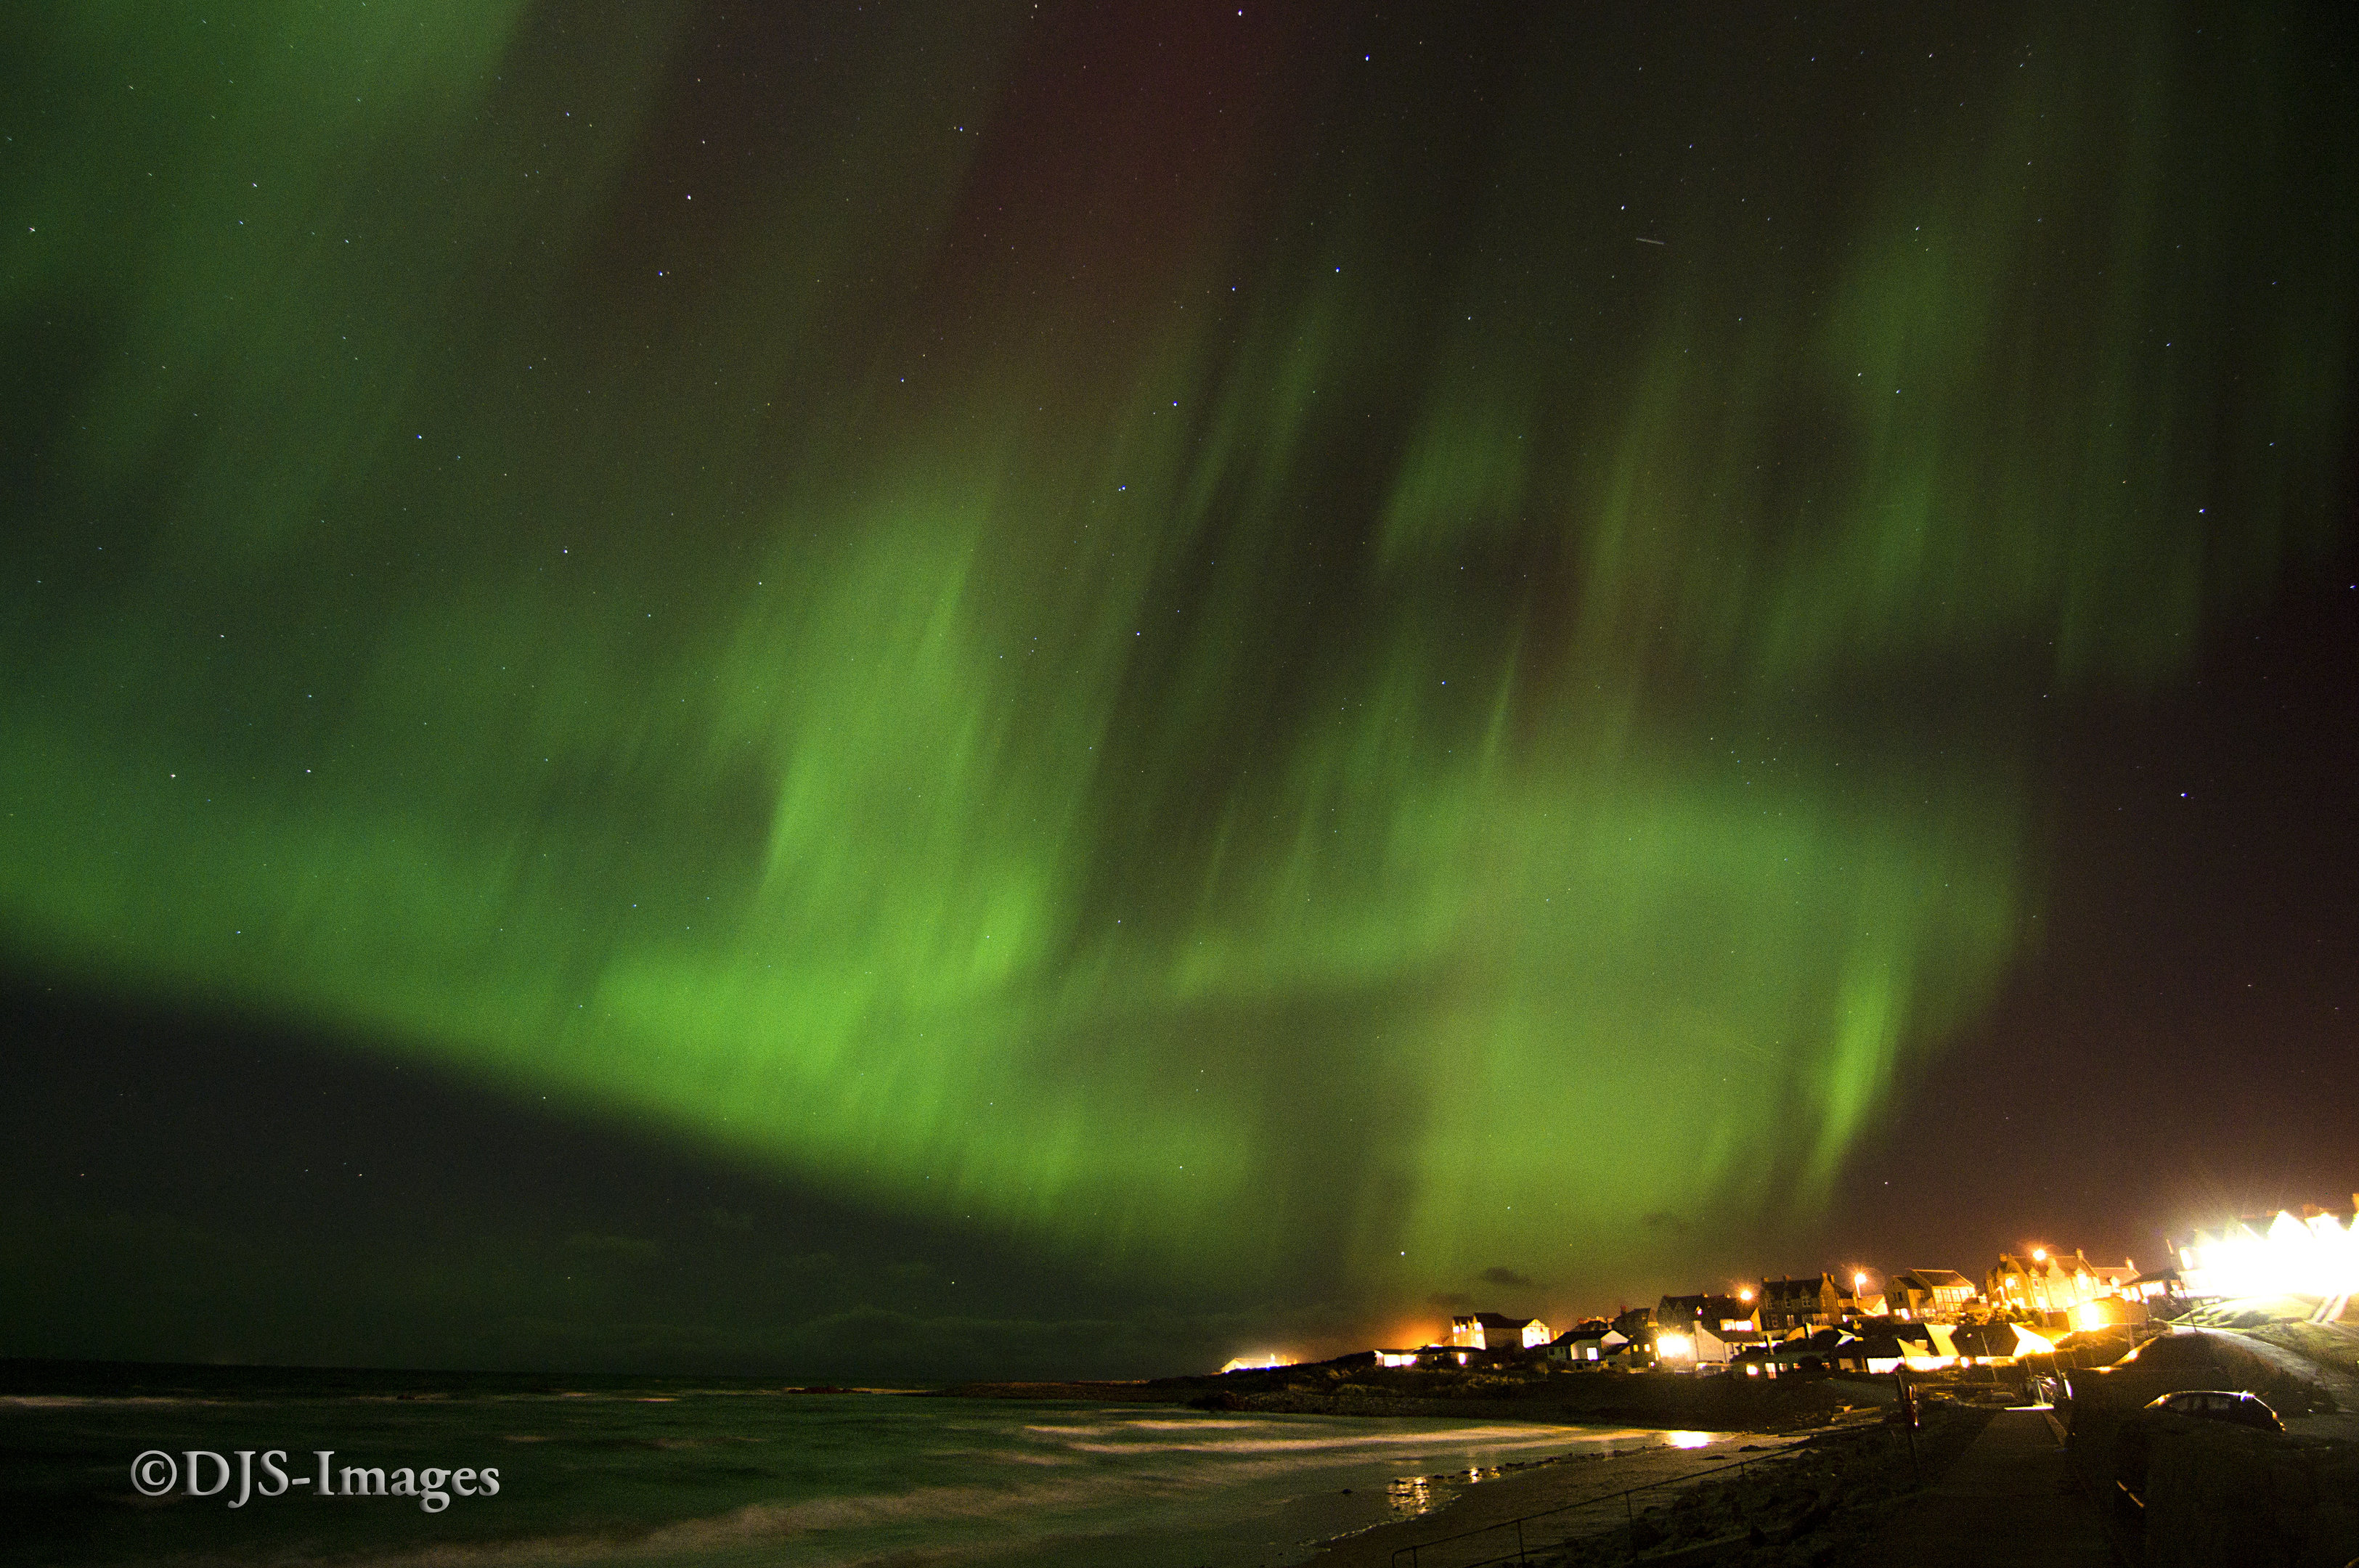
x=1500 y=1274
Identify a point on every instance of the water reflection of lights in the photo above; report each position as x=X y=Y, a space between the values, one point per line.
x=1687 y=1439
x=1412 y=1495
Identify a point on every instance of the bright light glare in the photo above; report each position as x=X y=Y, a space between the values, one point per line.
x=1687 y=1439
x=1262 y=1362
x=1674 y=1347
x=2318 y=1257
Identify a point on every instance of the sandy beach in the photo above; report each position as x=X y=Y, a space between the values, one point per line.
x=1793 y=1498
x=1718 y=1423
x=1561 y=1484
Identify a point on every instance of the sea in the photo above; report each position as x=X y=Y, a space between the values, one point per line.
x=659 y=1473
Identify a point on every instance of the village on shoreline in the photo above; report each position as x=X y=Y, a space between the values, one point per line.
x=2259 y=1467
x=1758 y=1355
x=1926 y=1319
x=2036 y=1303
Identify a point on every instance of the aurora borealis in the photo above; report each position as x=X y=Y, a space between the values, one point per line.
x=1303 y=650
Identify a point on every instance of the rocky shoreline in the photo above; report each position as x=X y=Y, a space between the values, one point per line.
x=1660 y=1399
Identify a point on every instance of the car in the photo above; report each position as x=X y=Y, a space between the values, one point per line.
x=2233 y=1406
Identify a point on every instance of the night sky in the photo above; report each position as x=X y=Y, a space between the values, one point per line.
x=904 y=690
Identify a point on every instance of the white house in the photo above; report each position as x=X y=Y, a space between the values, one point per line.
x=1585 y=1345
x=1496 y=1331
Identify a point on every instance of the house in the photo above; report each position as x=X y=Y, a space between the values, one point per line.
x=1877 y=1350
x=1496 y=1331
x=1936 y=1295
x=1630 y=1356
x=1809 y=1300
x=1928 y=1345
x=1688 y=1313
x=1919 y=1346
x=1705 y=1330
x=1586 y=1344
x=1443 y=1357
x=2047 y=1284
x=1817 y=1351
x=1997 y=1344
x=1705 y=1345
x=1635 y=1322
x=1721 y=1347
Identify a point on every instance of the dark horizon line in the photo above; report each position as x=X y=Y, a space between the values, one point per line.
x=12 y=1366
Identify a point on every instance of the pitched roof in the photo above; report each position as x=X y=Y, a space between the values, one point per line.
x=1705 y=1308
x=1493 y=1320
x=1597 y=1330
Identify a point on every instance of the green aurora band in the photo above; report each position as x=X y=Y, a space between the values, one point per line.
x=1229 y=678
